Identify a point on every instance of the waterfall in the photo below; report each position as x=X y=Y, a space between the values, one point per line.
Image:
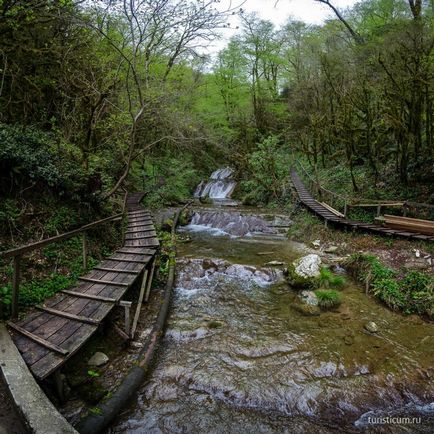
x=219 y=186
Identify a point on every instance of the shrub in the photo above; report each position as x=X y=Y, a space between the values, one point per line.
x=411 y=291
x=268 y=165
x=327 y=279
x=328 y=298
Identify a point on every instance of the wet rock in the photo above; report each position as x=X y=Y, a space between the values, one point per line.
x=208 y=264
x=308 y=266
x=308 y=297
x=303 y=272
x=371 y=327
x=307 y=309
x=331 y=249
x=98 y=359
x=338 y=269
x=275 y=263
x=349 y=340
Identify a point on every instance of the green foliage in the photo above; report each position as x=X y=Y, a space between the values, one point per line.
x=328 y=298
x=268 y=172
x=327 y=279
x=63 y=219
x=93 y=374
x=409 y=291
x=9 y=212
x=168 y=180
x=36 y=290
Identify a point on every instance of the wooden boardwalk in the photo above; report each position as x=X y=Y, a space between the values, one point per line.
x=49 y=336
x=323 y=212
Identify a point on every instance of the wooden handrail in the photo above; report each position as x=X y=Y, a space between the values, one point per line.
x=18 y=251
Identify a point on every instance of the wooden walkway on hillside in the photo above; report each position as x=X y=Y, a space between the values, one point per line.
x=325 y=213
x=49 y=336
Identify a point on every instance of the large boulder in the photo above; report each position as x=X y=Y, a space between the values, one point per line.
x=303 y=272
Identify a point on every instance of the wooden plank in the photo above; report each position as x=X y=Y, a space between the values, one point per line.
x=332 y=210
x=142 y=229
x=116 y=270
x=139 y=303
x=412 y=227
x=408 y=219
x=89 y=296
x=68 y=315
x=49 y=363
x=38 y=339
x=133 y=261
x=102 y=282
x=143 y=251
x=142 y=237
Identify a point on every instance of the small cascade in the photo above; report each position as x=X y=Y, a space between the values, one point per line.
x=232 y=223
x=220 y=185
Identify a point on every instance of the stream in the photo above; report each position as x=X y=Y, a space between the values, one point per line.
x=238 y=358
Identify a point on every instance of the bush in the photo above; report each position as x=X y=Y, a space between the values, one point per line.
x=410 y=291
x=328 y=298
x=168 y=181
x=327 y=279
x=269 y=165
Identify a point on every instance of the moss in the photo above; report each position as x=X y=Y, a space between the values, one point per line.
x=328 y=298
x=215 y=324
x=299 y=282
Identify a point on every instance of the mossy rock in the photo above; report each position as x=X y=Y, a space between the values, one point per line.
x=166 y=226
x=205 y=200
x=307 y=309
x=185 y=218
x=300 y=282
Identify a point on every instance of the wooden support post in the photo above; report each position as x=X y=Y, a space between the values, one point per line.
x=85 y=262
x=148 y=287
x=59 y=385
x=378 y=210
x=139 y=303
x=326 y=223
x=345 y=209
x=16 y=286
x=127 y=306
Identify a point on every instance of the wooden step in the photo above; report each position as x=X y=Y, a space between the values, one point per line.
x=38 y=339
x=68 y=315
x=88 y=296
x=103 y=282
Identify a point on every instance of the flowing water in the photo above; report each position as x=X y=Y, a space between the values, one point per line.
x=238 y=358
x=219 y=186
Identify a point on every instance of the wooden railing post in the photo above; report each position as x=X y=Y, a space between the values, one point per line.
x=16 y=286
x=85 y=261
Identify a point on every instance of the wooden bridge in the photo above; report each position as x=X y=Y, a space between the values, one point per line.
x=330 y=215
x=50 y=335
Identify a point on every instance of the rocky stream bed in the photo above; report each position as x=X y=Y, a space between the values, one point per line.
x=238 y=357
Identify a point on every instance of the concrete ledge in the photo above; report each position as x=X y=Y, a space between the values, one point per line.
x=39 y=414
